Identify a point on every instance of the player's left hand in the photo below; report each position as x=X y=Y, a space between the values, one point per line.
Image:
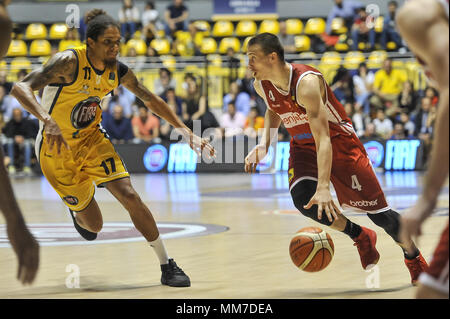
x=200 y=145
x=324 y=201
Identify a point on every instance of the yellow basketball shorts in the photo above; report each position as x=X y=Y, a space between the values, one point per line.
x=91 y=161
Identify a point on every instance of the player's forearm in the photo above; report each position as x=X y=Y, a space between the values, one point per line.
x=271 y=124
x=24 y=94
x=439 y=163
x=324 y=160
x=8 y=203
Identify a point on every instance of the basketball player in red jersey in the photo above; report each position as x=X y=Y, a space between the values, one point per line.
x=424 y=26
x=324 y=149
x=22 y=241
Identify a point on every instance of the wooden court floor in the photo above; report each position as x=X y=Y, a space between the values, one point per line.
x=229 y=232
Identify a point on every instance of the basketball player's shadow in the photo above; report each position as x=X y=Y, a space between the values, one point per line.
x=330 y=293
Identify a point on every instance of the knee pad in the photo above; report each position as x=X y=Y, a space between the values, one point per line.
x=301 y=194
x=389 y=221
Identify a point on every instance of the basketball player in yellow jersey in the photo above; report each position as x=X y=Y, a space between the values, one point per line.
x=22 y=241
x=74 y=151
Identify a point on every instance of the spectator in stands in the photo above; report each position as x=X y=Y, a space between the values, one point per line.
x=407 y=123
x=342 y=85
x=176 y=15
x=176 y=104
x=407 y=99
x=370 y=134
x=124 y=98
x=19 y=137
x=7 y=104
x=360 y=29
x=359 y=119
x=118 y=127
x=149 y=22
x=241 y=98
x=424 y=118
x=383 y=125
x=128 y=18
x=233 y=64
x=71 y=40
x=173 y=100
x=346 y=9
x=386 y=88
x=433 y=94
x=195 y=108
x=4 y=81
x=287 y=40
x=363 y=82
x=390 y=32
x=253 y=123
x=146 y=125
x=164 y=81
x=232 y=122
x=188 y=78
x=400 y=133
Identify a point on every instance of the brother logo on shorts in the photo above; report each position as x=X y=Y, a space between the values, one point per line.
x=363 y=203
x=84 y=112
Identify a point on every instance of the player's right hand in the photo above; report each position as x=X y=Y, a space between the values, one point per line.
x=253 y=158
x=27 y=250
x=54 y=135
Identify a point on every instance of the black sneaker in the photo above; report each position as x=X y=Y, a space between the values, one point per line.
x=174 y=276
x=86 y=234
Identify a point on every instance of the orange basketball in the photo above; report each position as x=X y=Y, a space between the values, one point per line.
x=311 y=249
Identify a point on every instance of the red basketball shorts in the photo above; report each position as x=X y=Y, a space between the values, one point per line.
x=352 y=174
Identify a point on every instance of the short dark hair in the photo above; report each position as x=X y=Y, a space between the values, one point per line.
x=97 y=21
x=393 y=3
x=269 y=43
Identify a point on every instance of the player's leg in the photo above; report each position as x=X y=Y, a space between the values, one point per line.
x=144 y=222
x=90 y=218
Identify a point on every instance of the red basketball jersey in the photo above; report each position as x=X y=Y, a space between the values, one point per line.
x=294 y=115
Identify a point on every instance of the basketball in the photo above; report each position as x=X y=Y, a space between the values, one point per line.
x=311 y=249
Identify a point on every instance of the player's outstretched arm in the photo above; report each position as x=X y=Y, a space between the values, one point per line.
x=426 y=33
x=271 y=124
x=6 y=27
x=159 y=107
x=308 y=92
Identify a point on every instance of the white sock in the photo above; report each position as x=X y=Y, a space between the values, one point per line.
x=160 y=250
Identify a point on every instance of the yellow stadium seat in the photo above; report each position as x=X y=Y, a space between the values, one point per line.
x=379 y=24
x=391 y=46
x=40 y=48
x=302 y=43
x=341 y=47
x=223 y=28
x=246 y=28
x=183 y=36
x=168 y=61
x=338 y=26
x=245 y=44
x=353 y=59
x=161 y=33
x=204 y=26
x=68 y=44
x=308 y=55
x=58 y=31
x=315 y=26
x=36 y=31
x=376 y=58
x=271 y=26
x=209 y=45
x=182 y=49
x=21 y=63
x=331 y=58
x=229 y=42
x=17 y=48
x=294 y=26
x=3 y=65
x=162 y=46
x=214 y=59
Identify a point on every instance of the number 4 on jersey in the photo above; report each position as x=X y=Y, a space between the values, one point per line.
x=355 y=183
